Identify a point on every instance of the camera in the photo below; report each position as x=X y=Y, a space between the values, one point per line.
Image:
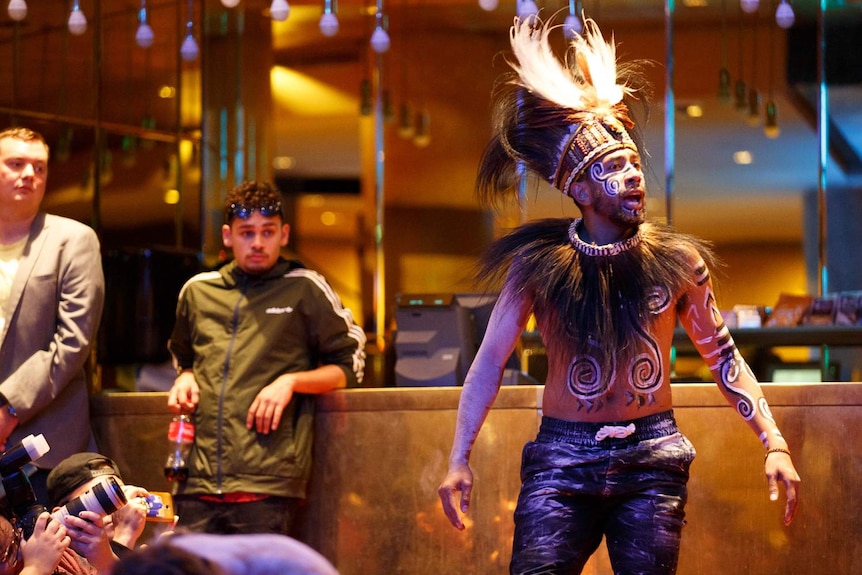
x=16 y=483
x=103 y=498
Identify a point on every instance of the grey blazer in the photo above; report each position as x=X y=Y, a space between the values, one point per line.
x=51 y=321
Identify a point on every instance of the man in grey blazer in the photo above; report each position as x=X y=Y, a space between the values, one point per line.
x=51 y=298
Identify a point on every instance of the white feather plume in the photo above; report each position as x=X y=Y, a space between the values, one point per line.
x=590 y=87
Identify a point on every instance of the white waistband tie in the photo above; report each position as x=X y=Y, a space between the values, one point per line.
x=615 y=431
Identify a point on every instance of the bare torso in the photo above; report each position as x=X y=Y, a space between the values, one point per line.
x=636 y=389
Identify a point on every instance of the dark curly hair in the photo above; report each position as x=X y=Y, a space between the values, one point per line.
x=252 y=195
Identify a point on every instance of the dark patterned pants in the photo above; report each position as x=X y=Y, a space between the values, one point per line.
x=575 y=490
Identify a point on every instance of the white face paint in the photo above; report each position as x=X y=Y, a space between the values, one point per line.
x=616 y=184
x=616 y=170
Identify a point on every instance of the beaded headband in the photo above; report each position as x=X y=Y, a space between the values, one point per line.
x=591 y=140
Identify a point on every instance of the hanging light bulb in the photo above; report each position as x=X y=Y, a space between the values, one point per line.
x=229 y=3
x=329 y=25
x=366 y=100
x=749 y=6
x=189 y=50
x=527 y=9
x=64 y=145
x=724 y=84
x=106 y=171
x=739 y=92
x=405 y=121
x=388 y=110
x=770 y=121
x=488 y=5
x=422 y=136
x=784 y=15
x=573 y=26
x=329 y=21
x=279 y=10
x=753 y=107
x=144 y=35
x=77 y=22
x=17 y=10
x=380 y=37
x=770 y=125
x=723 y=72
x=380 y=40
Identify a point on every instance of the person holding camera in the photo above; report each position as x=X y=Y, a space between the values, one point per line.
x=45 y=552
x=89 y=539
x=76 y=526
x=77 y=475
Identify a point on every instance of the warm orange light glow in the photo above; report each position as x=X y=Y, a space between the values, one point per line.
x=302 y=94
x=172 y=197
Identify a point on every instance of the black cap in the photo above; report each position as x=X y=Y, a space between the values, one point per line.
x=77 y=470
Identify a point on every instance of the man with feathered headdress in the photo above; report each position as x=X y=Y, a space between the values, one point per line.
x=606 y=290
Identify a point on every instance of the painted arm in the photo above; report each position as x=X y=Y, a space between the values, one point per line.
x=480 y=390
x=702 y=321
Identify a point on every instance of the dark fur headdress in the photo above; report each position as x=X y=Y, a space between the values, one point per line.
x=558 y=117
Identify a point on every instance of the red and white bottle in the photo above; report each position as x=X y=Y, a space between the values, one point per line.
x=181 y=436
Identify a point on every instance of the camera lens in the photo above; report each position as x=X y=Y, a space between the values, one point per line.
x=103 y=498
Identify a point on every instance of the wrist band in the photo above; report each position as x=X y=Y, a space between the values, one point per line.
x=775 y=450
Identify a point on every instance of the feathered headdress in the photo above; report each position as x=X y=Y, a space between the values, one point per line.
x=557 y=117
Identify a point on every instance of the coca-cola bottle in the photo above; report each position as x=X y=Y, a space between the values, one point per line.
x=181 y=436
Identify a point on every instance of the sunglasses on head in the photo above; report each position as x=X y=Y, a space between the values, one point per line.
x=244 y=212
